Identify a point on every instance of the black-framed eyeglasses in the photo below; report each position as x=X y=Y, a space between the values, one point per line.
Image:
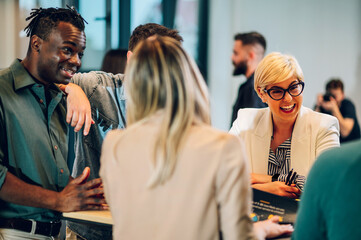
x=277 y=93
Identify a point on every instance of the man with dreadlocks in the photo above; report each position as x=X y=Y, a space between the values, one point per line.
x=35 y=183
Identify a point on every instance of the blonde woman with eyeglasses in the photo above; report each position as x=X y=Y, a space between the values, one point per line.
x=285 y=137
x=169 y=175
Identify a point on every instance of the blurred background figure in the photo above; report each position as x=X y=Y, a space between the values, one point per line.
x=115 y=61
x=248 y=51
x=333 y=102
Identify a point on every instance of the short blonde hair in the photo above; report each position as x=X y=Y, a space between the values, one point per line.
x=274 y=68
x=161 y=76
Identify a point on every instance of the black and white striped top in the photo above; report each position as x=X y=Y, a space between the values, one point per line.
x=279 y=162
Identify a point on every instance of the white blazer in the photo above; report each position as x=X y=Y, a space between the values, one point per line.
x=313 y=133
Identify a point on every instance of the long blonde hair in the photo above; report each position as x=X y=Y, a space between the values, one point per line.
x=160 y=75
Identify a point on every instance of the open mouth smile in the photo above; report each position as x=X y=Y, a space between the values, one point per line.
x=69 y=73
x=288 y=108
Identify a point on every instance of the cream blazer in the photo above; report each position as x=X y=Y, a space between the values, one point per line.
x=313 y=133
x=208 y=191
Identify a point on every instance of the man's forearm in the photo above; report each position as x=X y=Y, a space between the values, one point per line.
x=16 y=191
x=318 y=108
x=346 y=124
x=78 y=194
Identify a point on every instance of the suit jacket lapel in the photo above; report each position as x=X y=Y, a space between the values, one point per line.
x=260 y=143
x=300 y=144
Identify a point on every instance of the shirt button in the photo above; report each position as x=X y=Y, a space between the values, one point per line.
x=41 y=101
x=56 y=147
x=61 y=171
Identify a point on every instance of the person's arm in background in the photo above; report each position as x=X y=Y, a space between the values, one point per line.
x=346 y=124
x=319 y=102
x=328 y=135
x=78 y=107
x=81 y=87
x=77 y=195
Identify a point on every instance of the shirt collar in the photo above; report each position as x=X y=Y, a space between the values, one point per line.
x=251 y=78
x=21 y=76
x=23 y=79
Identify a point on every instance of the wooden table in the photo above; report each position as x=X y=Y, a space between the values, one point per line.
x=98 y=217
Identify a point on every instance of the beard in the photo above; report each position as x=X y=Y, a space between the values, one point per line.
x=240 y=68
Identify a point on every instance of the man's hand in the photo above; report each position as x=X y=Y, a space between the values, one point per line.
x=346 y=124
x=81 y=195
x=270 y=228
x=319 y=99
x=79 y=110
x=319 y=102
x=279 y=188
x=330 y=106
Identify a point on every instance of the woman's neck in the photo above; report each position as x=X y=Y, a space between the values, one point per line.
x=281 y=132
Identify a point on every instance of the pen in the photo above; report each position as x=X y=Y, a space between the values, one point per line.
x=288 y=176
x=293 y=178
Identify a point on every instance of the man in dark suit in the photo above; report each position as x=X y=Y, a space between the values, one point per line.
x=248 y=51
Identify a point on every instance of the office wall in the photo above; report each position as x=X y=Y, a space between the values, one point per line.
x=8 y=32
x=323 y=35
x=13 y=40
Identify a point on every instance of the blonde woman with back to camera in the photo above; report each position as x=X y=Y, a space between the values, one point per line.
x=169 y=175
x=285 y=136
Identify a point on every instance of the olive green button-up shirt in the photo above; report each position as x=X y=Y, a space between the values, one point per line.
x=33 y=138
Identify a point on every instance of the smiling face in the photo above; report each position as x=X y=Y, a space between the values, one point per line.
x=284 y=111
x=59 y=56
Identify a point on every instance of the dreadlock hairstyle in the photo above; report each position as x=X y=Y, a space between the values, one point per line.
x=44 y=20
